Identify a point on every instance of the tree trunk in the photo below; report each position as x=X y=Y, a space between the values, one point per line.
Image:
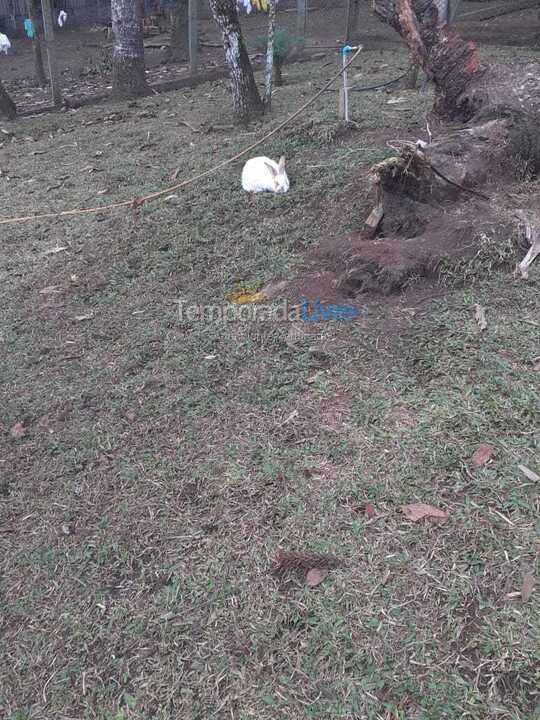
x=7 y=107
x=246 y=98
x=269 y=70
x=39 y=71
x=128 y=75
x=50 y=44
x=178 y=49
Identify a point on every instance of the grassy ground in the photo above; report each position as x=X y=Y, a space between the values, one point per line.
x=163 y=464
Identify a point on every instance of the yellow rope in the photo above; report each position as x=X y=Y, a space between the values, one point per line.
x=136 y=202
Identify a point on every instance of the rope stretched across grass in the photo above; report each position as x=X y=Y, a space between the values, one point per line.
x=138 y=201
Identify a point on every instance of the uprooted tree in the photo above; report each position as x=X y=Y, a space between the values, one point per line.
x=447 y=197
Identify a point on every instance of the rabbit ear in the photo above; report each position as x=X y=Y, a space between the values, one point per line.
x=281 y=165
x=271 y=168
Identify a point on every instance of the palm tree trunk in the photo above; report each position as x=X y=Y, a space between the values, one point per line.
x=128 y=75
x=246 y=98
x=7 y=107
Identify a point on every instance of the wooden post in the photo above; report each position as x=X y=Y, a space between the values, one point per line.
x=39 y=71
x=344 y=91
x=301 y=18
x=48 y=30
x=193 y=11
x=353 y=7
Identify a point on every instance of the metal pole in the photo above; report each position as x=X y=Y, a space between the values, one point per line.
x=345 y=89
x=48 y=31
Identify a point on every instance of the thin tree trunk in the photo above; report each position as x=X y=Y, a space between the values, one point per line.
x=178 y=49
x=39 y=71
x=269 y=70
x=48 y=31
x=246 y=98
x=7 y=107
x=128 y=74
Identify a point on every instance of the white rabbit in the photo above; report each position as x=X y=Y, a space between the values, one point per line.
x=4 y=43
x=260 y=174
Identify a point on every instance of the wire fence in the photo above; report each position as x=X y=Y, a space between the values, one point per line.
x=80 y=12
x=88 y=12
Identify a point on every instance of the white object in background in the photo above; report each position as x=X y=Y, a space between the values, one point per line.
x=4 y=44
x=62 y=17
x=261 y=174
x=246 y=4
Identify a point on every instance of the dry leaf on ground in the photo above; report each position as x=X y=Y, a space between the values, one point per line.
x=316 y=576
x=482 y=454
x=419 y=511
